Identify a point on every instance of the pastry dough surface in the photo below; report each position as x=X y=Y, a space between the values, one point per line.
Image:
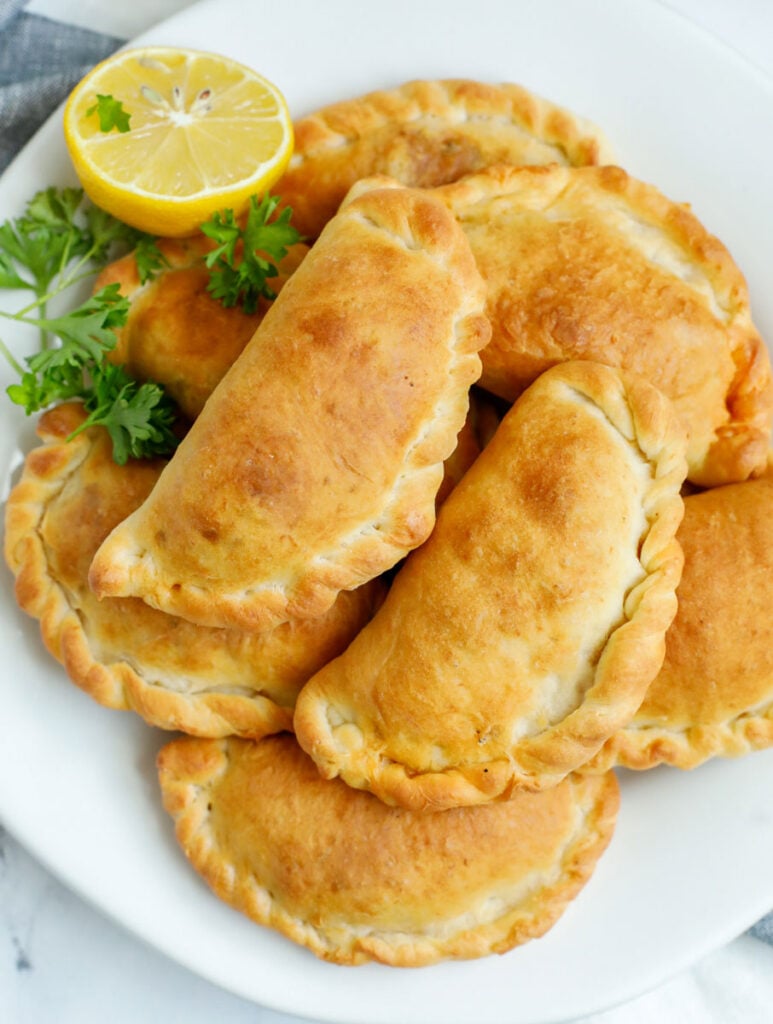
x=426 y=133
x=315 y=463
x=714 y=694
x=588 y=263
x=353 y=880
x=525 y=631
x=123 y=653
x=176 y=333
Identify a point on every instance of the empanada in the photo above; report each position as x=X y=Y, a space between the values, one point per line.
x=526 y=630
x=209 y=682
x=315 y=463
x=423 y=134
x=714 y=694
x=588 y=263
x=176 y=333
x=353 y=880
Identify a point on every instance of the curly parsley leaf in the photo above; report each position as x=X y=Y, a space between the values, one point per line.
x=245 y=259
x=110 y=113
x=87 y=333
x=148 y=257
x=60 y=238
x=138 y=417
x=9 y=278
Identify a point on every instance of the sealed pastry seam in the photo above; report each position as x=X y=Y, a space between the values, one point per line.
x=545 y=318
x=394 y=515
x=423 y=472
x=118 y=685
x=510 y=913
x=642 y=746
x=123 y=654
x=668 y=230
x=344 y=740
x=712 y=696
x=424 y=134
x=344 y=124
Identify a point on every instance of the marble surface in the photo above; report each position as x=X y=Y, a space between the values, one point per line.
x=61 y=962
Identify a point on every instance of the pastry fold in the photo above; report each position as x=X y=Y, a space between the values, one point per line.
x=426 y=133
x=714 y=694
x=337 y=871
x=589 y=263
x=526 y=630
x=124 y=654
x=315 y=463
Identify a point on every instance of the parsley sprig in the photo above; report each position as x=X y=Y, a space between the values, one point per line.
x=246 y=257
x=111 y=114
x=58 y=241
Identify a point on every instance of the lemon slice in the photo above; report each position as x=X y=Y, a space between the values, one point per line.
x=205 y=133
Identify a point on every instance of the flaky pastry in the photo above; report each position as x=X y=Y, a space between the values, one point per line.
x=353 y=880
x=123 y=653
x=176 y=333
x=315 y=463
x=526 y=630
x=589 y=263
x=714 y=694
x=423 y=134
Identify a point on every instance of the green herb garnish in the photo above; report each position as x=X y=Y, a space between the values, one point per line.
x=55 y=244
x=110 y=113
x=240 y=273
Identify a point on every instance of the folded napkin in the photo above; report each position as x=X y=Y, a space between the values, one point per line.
x=40 y=62
x=763 y=929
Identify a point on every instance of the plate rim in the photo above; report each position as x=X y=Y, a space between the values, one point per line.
x=763 y=81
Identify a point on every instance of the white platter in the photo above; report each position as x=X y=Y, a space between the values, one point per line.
x=689 y=866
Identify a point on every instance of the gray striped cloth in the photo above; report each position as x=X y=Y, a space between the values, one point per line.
x=40 y=62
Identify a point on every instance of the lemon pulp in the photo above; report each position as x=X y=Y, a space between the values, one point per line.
x=205 y=133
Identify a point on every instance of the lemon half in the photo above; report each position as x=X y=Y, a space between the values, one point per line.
x=205 y=133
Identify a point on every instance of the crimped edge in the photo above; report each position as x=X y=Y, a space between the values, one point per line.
x=117 y=685
x=189 y=770
x=456 y=100
x=739 y=448
x=342 y=125
x=641 y=747
x=408 y=516
x=629 y=661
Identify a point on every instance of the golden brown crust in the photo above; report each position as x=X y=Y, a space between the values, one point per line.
x=590 y=263
x=176 y=333
x=123 y=653
x=714 y=693
x=524 y=632
x=353 y=880
x=426 y=133
x=315 y=463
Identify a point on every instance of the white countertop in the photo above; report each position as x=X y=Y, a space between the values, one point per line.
x=61 y=962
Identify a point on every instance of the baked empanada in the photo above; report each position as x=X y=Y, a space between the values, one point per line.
x=526 y=630
x=588 y=263
x=424 y=134
x=714 y=694
x=353 y=880
x=315 y=463
x=176 y=333
x=209 y=682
